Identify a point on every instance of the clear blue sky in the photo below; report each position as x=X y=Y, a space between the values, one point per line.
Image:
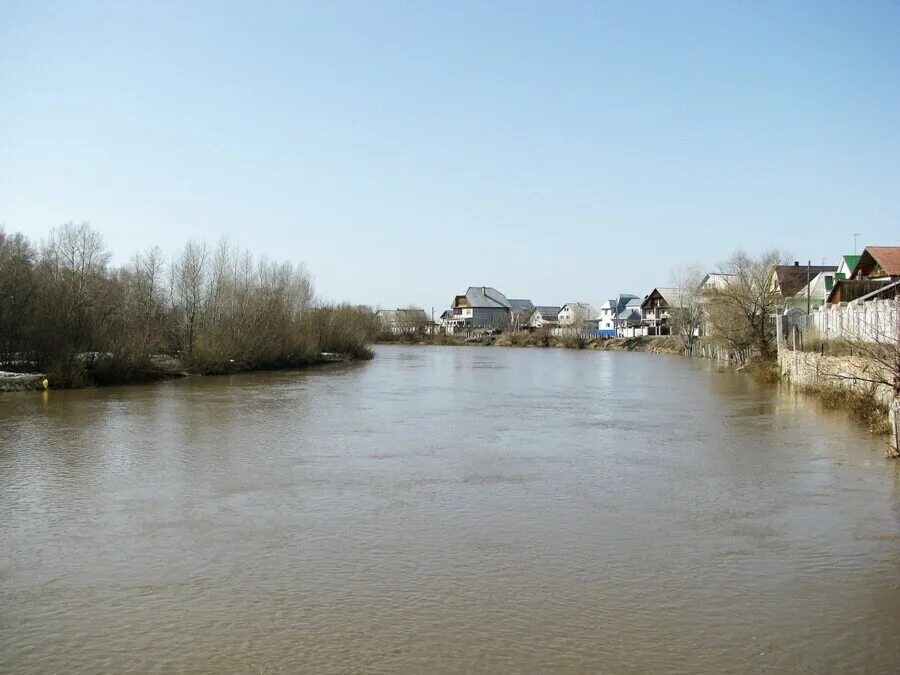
x=406 y=150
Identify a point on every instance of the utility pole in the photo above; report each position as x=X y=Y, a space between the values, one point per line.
x=855 y=235
x=808 y=270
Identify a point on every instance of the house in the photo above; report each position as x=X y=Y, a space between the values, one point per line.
x=609 y=313
x=715 y=281
x=657 y=310
x=816 y=291
x=628 y=320
x=870 y=276
x=787 y=280
x=878 y=263
x=410 y=320
x=543 y=316
x=479 y=307
x=712 y=283
x=846 y=266
x=577 y=315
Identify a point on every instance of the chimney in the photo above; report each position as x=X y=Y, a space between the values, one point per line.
x=484 y=290
x=796 y=263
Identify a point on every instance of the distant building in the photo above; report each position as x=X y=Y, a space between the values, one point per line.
x=846 y=266
x=577 y=315
x=628 y=321
x=398 y=321
x=816 y=290
x=657 y=310
x=543 y=316
x=715 y=281
x=607 y=320
x=787 y=280
x=878 y=263
x=479 y=307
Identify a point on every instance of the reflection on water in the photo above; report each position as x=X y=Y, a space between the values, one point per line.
x=447 y=509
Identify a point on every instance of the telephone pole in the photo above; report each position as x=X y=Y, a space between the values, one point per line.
x=808 y=270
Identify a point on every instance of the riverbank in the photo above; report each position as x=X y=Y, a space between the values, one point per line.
x=655 y=345
x=852 y=383
x=21 y=381
x=109 y=372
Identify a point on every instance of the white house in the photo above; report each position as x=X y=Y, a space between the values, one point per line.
x=543 y=316
x=577 y=314
x=609 y=314
x=846 y=266
x=816 y=290
x=628 y=320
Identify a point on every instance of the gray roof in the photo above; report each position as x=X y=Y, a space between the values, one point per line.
x=485 y=296
x=629 y=315
x=519 y=305
x=672 y=296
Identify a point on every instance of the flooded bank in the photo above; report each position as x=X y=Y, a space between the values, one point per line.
x=447 y=509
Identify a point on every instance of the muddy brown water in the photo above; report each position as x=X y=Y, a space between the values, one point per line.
x=447 y=509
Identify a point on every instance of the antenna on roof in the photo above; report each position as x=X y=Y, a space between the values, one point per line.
x=855 y=235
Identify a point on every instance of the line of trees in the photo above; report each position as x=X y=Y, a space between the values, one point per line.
x=216 y=309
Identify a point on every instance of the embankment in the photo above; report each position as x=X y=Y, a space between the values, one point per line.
x=840 y=382
x=109 y=372
x=654 y=345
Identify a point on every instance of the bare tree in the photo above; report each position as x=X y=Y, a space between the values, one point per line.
x=686 y=306
x=741 y=310
x=190 y=272
x=74 y=271
x=411 y=320
x=17 y=294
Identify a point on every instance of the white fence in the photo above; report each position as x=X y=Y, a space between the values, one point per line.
x=876 y=320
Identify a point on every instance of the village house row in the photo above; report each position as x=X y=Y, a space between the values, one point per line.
x=854 y=281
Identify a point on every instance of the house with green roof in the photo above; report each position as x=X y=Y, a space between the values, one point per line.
x=846 y=266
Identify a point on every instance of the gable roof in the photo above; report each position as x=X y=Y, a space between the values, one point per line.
x=671 y=296
x=584 y=308
x=850 y=261
x=716 y=280
x=548 y=311
x=630 y=315
x=791 y=278
x=482 y=296
x=887 y=258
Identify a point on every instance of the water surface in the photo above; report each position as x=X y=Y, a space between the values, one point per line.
x=447 y=509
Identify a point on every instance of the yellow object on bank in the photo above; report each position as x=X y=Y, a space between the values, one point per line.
x=45 y=382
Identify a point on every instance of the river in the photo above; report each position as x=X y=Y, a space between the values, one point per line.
x=447 y=509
